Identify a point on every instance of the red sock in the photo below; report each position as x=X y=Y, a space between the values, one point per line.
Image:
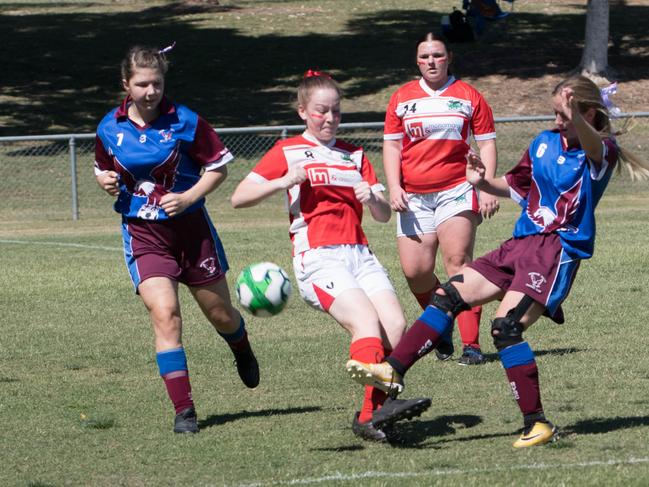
x=179 y=389
x=424 y=298
x=369 y=350
x=468 y=322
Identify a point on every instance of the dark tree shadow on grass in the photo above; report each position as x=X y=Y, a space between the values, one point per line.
x=595 y=426
x=218 y=419
x=60 y=70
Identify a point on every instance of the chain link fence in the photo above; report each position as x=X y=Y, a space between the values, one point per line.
x=52 y=178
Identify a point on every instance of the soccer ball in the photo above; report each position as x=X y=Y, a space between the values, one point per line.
x=263 y=289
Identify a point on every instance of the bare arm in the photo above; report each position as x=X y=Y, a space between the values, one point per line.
x=175 y=203
x=249 y=193
x=476 y=175
x=589 y=138
x=392 y=169
x=376 y=202
x=489 y=203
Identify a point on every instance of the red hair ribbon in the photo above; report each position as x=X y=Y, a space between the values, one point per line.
x=312 y=73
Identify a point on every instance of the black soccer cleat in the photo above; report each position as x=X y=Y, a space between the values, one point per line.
x=185 y=421
x=247 y=367
x=471 y=356
x=444 y=349
x=367 y=431
x=394 y=410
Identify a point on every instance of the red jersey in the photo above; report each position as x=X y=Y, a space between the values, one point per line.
x=434 y=127
x=323 y=210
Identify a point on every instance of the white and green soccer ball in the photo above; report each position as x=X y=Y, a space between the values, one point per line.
x=263 y=289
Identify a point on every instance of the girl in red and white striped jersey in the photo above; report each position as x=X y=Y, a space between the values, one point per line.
x=428 y=126
x=327 y=182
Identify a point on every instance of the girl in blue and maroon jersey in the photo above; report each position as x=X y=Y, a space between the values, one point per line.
x=558 y=183
x=161 y=159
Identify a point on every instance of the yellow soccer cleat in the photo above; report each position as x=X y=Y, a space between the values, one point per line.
x=539 y=434
x=381 y=376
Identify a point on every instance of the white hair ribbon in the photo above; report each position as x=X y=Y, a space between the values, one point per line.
x=165 y=50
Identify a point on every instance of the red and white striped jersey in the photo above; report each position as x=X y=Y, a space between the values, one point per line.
x=323 y=210
x=434 y=127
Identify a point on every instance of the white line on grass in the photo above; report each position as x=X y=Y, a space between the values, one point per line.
x=60 y=244
x=438 y=473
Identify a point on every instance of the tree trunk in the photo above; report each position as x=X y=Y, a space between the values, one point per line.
x=594 y=59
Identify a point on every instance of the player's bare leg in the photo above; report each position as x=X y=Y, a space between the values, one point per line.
x=160 y=296
x=214 y=300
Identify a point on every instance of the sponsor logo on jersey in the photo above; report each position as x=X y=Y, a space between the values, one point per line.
x=142 y=138
x=536 y=281
x=561 y=160
x=541 y=150
x=415 y=130
x=330 y=176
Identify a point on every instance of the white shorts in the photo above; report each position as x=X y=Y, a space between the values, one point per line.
x=324 y=273
x=426 y=211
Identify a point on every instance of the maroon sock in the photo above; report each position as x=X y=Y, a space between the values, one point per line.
x=179 y=389
x=524 y=381
x=420 y=339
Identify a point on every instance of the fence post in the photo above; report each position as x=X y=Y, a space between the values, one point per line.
x=284 y=134
x=73 y=177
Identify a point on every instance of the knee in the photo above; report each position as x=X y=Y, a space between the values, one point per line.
x=448 y=299
x=165 y=316
x=506 y=332
x=222 y=315
x=454 y=263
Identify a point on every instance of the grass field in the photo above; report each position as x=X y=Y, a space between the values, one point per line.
x=80 y=395
x=83 y=404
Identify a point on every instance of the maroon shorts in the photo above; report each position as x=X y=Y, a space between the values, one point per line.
x=535 y=265
x=186 y=249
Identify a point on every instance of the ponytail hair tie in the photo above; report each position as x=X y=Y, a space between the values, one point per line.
x=311 y=73
x=606 y=92
x=165 y=50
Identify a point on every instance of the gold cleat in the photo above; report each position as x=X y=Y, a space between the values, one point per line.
x=539 y=434
x=381 y=376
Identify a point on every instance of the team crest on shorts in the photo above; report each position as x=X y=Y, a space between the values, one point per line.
x=536 y=281
x=209 y=265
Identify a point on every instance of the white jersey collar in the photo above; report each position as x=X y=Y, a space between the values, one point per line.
x=311 y=138
x=432 y=92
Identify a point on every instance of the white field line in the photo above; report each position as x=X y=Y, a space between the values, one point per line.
x=60 y=244
x=341 y=477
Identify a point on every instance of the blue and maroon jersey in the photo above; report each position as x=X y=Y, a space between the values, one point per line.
x=558 y=189
x=167 y=155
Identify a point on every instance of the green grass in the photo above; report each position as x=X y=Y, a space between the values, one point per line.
x=83 y=404
x=80 y=395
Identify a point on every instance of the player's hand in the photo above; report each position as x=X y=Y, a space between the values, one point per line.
x=568 y=103
x=109 y=182
x=175 y=203
x=295 y=175
x=475 y=169
x=489 y=205
x=364 y=193
x=398 y=199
